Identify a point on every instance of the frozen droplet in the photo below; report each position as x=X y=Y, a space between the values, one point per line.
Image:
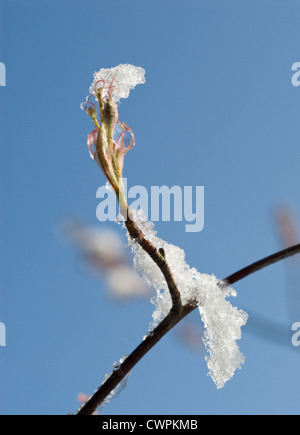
x=116 y=365
x=109 y=186
x=84 y=106
x=123 y=136
x=128 y=138
x=123 y=358
x=117 y=135
x=89 y=108
x=91 y=142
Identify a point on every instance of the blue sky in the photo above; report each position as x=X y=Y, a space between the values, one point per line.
x=218 y=110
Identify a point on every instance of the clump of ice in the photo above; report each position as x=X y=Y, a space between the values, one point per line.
x=221 y=320
x=119 y=388
x=120 y=80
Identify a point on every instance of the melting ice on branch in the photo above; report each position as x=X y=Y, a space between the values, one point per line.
x=221 y=320
x=119 y=388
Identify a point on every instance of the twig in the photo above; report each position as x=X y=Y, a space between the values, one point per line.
x=169 y=322
x=119 y=374
x=265 y=262
x=159 y=257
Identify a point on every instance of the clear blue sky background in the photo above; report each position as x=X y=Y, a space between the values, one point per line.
x=218 y=110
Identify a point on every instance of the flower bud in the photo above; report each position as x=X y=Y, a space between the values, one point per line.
x=90 y=109
x=110 y=114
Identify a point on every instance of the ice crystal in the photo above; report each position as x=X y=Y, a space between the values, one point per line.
x=117 y=82
x=119 y=388
x=221 y=320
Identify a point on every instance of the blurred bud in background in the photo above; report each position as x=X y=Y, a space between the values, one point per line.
x=270 y=330
x=104 y=252
x=83 y=398
x=190 y=333
x=287 y=227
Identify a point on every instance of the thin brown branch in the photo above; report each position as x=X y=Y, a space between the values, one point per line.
x=120 y=373
x=261 y=264
x=159 y=257
x=166 y=325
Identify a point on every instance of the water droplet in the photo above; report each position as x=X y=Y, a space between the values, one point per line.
x=117 y=136
x=123 y=358
x=109 y=186
x=128 y=137
x=91 y=142
x=122 y=136
x=116 y=365
x=84 y=106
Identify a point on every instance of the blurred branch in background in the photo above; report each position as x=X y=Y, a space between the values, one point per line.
x=288 y=232
x=269 y=330
x=287 y=227
x=191 y=334
x=103 y=251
